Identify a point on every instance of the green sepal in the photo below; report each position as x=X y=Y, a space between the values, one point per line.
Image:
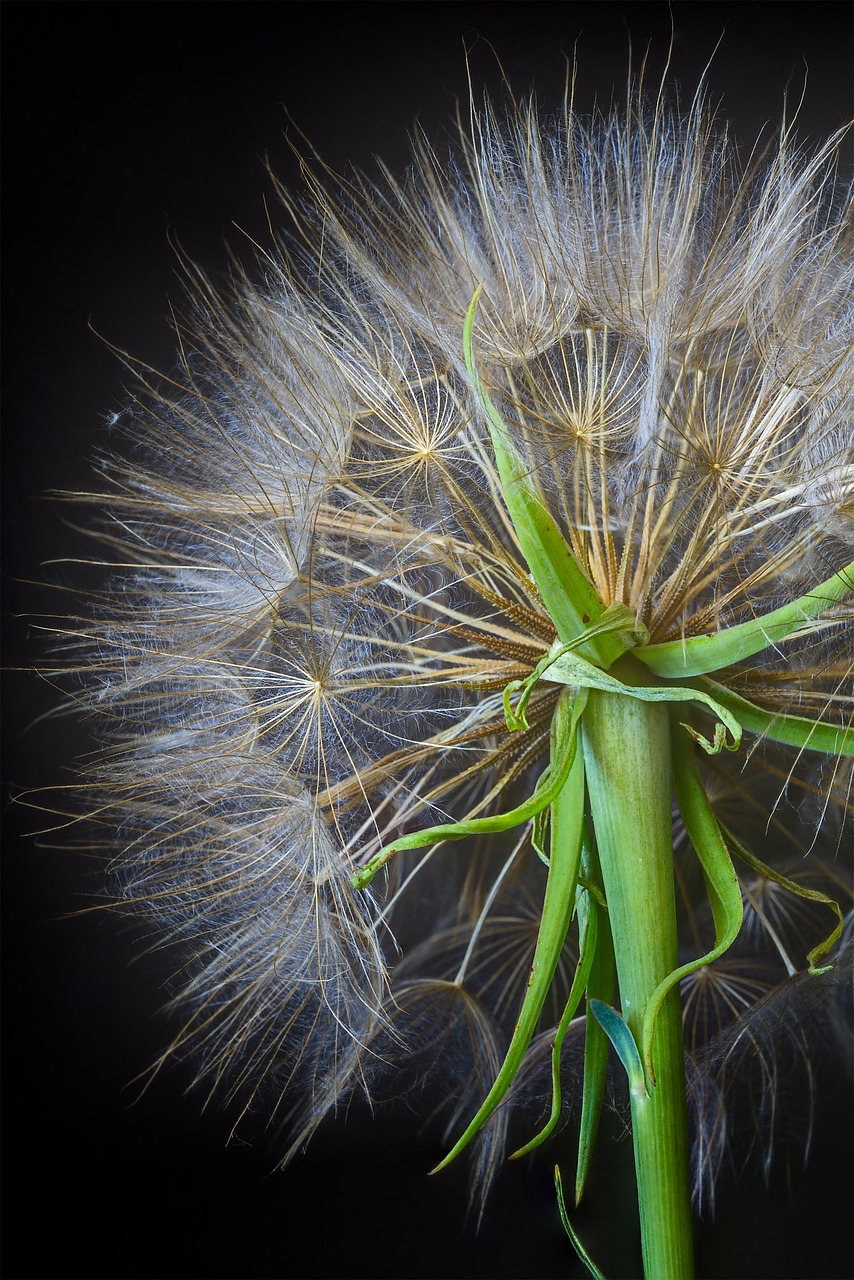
x=617 y=1031
x=617 y=619
x=794 y=731
x=539 y=831
x=587 y=950
x=811 y=895
x=548 y=788
x=721 y=884
x=583 y=1255
x=566 y=837
x=697 y=655
x=568 y=594
x=562 y=666
x=601 y=985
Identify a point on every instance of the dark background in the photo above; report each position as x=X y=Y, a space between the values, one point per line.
x=125 y=124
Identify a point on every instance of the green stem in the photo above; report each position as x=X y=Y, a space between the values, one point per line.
x=627 y=759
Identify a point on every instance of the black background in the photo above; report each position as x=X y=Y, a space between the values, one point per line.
x=125 y=124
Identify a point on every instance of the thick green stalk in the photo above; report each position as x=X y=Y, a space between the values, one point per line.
x=627 y=759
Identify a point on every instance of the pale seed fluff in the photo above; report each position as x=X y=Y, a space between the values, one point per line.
x=317 y=597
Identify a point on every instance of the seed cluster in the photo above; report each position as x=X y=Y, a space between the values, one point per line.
x=318 y=595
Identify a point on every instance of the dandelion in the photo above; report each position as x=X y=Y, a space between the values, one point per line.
x=475 y=668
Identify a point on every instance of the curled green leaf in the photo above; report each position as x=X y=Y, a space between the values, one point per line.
x=810 y=895
x=563 y=666
x=795 y=731
x=546 y=791
x=617 y=619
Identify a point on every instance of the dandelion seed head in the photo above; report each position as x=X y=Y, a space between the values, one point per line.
x=318 y=595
